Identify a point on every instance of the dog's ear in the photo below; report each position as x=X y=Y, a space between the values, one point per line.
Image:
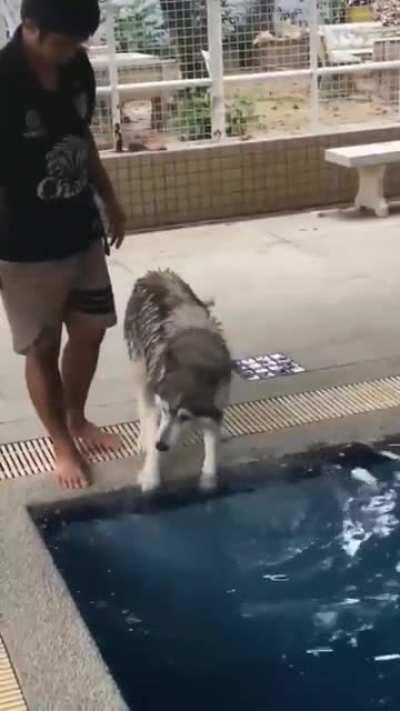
x=209 y=378
x=171 y=361
x=213 y=378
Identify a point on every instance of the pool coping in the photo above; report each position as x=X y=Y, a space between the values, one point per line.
x=46 y=632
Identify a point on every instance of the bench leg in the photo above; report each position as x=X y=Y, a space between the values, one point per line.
x=370 y=190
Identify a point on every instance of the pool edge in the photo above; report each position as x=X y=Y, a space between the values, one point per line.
x=54 y=617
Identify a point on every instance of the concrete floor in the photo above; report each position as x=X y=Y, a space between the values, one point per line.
x=324 y=290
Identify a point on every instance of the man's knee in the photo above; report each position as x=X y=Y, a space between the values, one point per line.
x=46 y=348
x=86 y=336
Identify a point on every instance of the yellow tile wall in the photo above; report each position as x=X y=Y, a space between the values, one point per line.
x=231 y=180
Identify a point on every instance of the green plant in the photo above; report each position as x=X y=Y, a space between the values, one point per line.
x=240 y=112
x=191 y=115
x=139 y=27
x=186 y=24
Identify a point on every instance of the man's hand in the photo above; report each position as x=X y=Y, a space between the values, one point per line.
x=101 y=181
x=116 y=222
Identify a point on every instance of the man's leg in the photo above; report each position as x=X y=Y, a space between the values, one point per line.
x=79 y=364
x=90 y=312
x=46 y=392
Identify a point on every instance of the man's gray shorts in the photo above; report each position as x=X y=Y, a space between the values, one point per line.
x=39 y=297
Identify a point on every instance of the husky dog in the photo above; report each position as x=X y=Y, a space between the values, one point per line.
x=182 y=369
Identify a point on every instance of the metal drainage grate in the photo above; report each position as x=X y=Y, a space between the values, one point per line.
x=35 y=456
x=11 y=698
x=20 y=459
x=267 y=366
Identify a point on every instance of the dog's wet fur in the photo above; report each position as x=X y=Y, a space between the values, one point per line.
x=182 y=368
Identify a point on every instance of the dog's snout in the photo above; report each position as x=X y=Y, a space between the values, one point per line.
x=162 y=446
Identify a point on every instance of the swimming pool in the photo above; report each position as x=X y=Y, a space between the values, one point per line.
x=275 y=595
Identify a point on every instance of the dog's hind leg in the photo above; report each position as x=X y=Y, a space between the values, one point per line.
x=149 y=477
x=208 y=479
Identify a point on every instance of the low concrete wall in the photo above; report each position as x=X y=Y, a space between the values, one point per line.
x=224 y=181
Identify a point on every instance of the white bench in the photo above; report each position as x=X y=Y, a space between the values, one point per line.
x=370 y=162
x=349 y=43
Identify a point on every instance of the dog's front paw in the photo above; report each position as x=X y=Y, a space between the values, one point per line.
x=148 y=481
x=208 y=481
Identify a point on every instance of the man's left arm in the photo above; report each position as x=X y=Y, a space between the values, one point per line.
x=100 y=180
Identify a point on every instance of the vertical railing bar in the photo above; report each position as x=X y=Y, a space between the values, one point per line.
x=113 y=69
x=314 y=53
x=214 y=24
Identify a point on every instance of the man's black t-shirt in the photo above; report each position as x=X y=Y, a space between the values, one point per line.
x=48 y=208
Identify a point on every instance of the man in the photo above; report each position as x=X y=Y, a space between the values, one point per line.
x=52 y=262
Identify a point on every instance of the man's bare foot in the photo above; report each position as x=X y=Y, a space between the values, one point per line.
x=71 y=470
x=93 y=436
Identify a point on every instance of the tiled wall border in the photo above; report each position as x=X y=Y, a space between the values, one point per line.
x=232 y=180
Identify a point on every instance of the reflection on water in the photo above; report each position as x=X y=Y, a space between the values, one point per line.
x=279 y=598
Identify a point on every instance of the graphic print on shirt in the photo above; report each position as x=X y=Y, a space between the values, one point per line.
x=33 y=124
x=67 y=173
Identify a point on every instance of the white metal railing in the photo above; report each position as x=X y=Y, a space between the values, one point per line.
x=216 y=68
x=239 y=63
x=187 y=70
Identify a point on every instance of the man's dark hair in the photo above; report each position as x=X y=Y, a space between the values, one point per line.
x=74 y=18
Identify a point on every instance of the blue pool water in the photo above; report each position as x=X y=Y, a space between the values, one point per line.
x=276 y=597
